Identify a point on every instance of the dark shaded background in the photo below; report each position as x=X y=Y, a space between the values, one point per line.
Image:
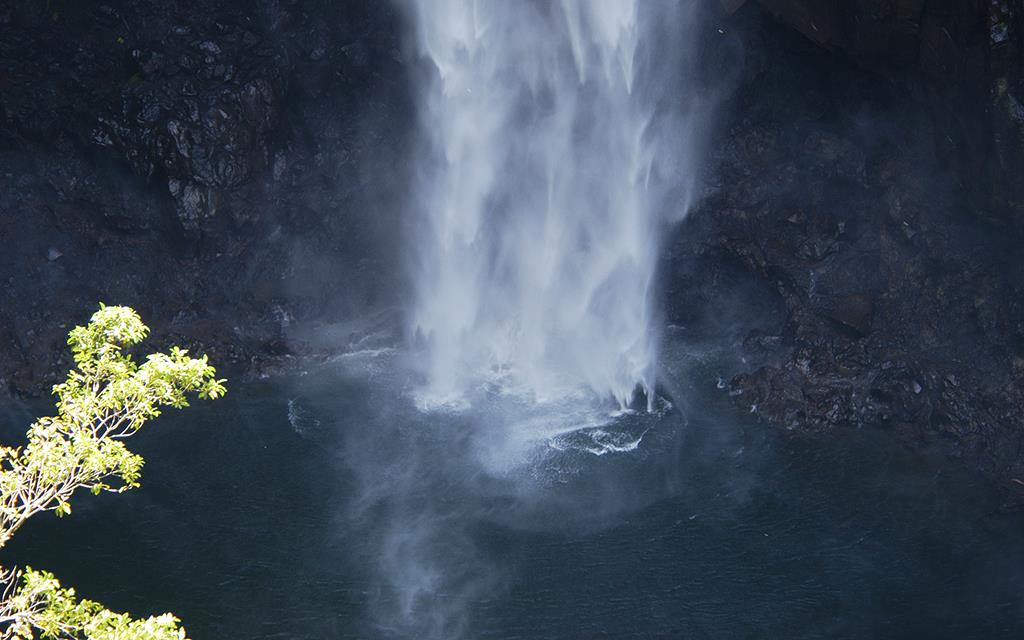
x=237 y=172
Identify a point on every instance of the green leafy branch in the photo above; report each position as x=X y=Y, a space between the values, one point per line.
x=37 y=602
x=107 y=398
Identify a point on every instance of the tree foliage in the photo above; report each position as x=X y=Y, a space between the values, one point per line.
x=38 y=604
x=105 y=399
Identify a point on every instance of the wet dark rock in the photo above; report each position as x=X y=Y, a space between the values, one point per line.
x=898 y=279
x=854 y=311
x=187 y=158
x=958 y=58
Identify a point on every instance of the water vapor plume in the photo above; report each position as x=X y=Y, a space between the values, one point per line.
x=558 y=137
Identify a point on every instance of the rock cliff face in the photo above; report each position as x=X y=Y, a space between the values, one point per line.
x=237 y=175
x=960 y=58
x=878 y=206
x=208 y=165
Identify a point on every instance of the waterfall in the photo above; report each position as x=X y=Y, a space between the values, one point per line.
x=554 y=152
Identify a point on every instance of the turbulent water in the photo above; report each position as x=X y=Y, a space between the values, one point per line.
x=558 y=139
x=327 y=506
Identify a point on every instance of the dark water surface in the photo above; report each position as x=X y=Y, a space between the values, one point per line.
x=326 y=506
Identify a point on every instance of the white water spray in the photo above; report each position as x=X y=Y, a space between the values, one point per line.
x=553 y=151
